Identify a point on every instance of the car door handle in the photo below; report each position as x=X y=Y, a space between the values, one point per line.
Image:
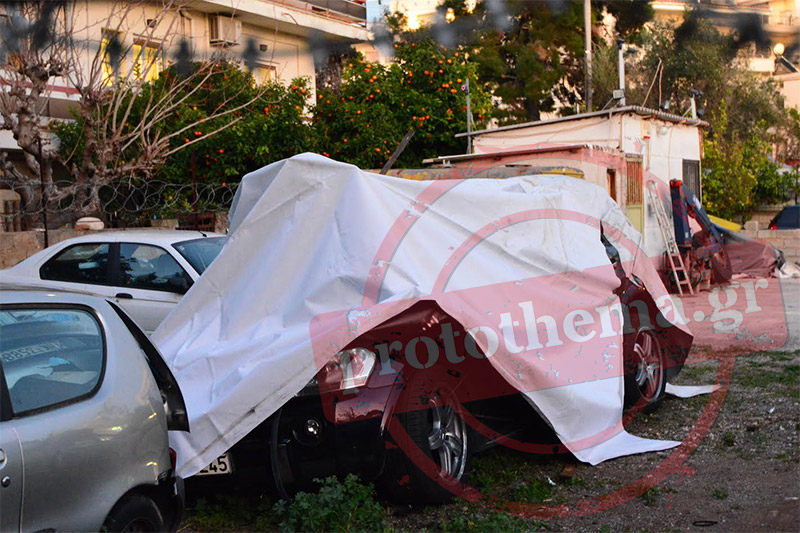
x=124 y=295
x=2 y=457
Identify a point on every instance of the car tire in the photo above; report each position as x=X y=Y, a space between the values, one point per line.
x=135 y=512
x=432 y=418
x=645 y=375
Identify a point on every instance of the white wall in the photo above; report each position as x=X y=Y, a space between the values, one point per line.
x=598 y=131
x=662 y=145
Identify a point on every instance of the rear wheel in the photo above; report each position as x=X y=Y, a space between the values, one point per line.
x=437 y=433
x=134 y=513
x=645 y=378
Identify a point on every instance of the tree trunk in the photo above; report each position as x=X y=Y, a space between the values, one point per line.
x=532 y=110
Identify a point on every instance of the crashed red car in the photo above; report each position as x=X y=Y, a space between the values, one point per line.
x=342 y=421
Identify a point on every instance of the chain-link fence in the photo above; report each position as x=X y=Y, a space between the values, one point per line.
x=22 y=205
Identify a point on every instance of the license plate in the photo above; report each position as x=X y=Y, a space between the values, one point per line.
x=220 y=465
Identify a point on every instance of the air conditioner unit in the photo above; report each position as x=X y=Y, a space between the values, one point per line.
x=225 y=30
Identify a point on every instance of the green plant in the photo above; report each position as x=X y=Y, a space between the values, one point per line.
x=489 y=521
x=536 y=491
x=650 y=496
x=228 y=513
x=497 y=469
x=728 y=438
x=720 y=493
x=338 y=506
x=576 y=481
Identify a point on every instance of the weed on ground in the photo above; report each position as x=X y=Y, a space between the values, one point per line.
x=741 y=476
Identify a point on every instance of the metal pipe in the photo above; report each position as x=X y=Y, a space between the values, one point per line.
x=469 y=121
x=621 y=45
x=44 y=191
x=587 y=30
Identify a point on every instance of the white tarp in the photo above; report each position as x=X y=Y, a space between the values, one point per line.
x=306 y=234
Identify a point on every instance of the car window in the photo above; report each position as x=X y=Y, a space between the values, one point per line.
x=50 y=356
x=788 y=218
x=80 y=263
x=143 y=266
x=200 y=252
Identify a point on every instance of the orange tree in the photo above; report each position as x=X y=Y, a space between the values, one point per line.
x=222 y=127
x=364 y=118
x=272 y=127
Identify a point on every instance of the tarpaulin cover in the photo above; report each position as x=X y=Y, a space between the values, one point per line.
x=309 y=237
x=752 y=257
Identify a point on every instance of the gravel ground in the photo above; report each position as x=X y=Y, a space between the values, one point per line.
x=743 y=476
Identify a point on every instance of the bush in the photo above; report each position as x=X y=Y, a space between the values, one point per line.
x=347 y=506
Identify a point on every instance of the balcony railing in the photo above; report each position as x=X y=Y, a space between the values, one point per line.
x=347 y=11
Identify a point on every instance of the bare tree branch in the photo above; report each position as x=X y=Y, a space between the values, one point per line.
x=43 y=44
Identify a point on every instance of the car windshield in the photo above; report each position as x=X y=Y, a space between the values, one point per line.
x=200 y=252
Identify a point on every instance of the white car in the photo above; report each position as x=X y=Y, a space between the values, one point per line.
x=145 y=271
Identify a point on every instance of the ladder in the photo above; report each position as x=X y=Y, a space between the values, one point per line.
x=668 y=233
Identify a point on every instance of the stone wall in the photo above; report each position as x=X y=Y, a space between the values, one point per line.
x=764 y=215
x=787 y=240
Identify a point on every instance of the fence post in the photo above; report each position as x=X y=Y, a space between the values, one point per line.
x=44 y=193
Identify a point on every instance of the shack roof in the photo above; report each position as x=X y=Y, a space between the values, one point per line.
x=631 y=109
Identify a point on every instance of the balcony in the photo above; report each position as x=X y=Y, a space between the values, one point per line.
x=346 y=10
x=338 y=18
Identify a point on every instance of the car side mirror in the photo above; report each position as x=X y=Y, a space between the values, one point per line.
x=179 y=284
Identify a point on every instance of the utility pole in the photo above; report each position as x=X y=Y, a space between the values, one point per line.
x=621 y=44
x=587 y=29
x=469 y=119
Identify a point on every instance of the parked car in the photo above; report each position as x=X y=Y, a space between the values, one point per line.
x=86 y=404
x=788 y=218
x=145 y=271
x=339 y=423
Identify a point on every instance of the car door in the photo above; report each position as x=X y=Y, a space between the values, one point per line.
x=53 y=361
x=81 y=267
x=149 y=283
x=10 y=465
x=174 y=404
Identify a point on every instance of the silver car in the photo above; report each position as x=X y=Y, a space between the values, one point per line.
x=85 y=405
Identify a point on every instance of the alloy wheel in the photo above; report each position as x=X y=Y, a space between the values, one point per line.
x=447 y=439
x=649 y=367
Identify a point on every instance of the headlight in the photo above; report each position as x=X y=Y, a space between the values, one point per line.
x=347 y=370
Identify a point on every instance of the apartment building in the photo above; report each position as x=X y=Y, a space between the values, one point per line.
x=777 y=21
x=282 y=33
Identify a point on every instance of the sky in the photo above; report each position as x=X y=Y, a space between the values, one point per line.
x=374 y=10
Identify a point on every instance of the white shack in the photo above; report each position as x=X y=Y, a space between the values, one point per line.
x=620 y=149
